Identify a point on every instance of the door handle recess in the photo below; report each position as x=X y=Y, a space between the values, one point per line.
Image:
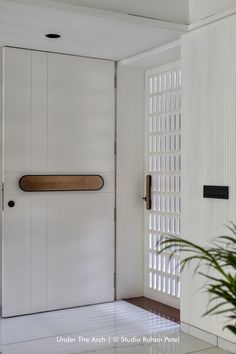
x=148 y=197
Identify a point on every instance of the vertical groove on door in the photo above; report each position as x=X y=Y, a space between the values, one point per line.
x=46 y=258
x=47 y=169
x=31 y=167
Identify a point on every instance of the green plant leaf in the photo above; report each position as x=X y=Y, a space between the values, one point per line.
x=220 y=257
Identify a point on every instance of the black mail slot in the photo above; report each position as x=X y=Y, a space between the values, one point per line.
x=219 y=192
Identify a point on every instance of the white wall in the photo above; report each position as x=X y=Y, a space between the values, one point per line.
x=130 y=181
x=208 y=150
x=199 y=9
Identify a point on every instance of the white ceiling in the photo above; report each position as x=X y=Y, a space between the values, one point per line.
x=179 y=11
x=109 y=29
x=199 y=9
x=84 y=32
x=169 y=10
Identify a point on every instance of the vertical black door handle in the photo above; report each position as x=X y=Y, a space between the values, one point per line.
x=148 y=197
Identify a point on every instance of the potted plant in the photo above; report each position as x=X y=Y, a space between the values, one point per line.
x=219 y=256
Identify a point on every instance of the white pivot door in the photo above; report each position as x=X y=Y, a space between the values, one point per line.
x=163 y=164
x=58 y=119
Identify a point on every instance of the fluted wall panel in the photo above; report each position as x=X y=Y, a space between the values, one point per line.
x=208 y=151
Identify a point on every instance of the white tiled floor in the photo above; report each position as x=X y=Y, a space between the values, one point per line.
x=110 y=323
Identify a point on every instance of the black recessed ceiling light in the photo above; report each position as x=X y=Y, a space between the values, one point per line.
x=53 y=35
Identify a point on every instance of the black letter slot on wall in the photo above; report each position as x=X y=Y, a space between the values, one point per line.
x=219 y=192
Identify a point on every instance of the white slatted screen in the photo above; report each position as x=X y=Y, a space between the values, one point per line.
x=163 y=163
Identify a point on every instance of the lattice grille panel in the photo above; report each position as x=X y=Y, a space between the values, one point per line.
x=163 y=162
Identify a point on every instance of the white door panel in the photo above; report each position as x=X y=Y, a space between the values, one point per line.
x=38 y=245
x=16 y=257
x=58 y=248
x=89 y=138
x=80 y=249
x=39 y=124
x=17 y=111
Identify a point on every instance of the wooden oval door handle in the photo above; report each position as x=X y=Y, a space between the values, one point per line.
x=51 y=183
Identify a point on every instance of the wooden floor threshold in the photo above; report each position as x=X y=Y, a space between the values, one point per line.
x=156 y=307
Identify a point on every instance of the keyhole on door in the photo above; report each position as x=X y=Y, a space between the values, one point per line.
x=11 y=203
